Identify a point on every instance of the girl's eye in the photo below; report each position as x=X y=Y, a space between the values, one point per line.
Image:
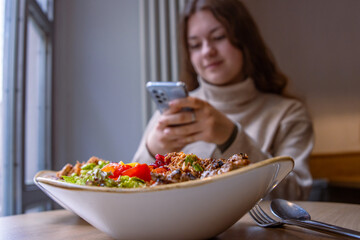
x=220 y=37
x=194 y=45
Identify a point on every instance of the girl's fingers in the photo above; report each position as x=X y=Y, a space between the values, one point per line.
x=189 y=102
x=191 y=138
x=172 y=109
x=180 y=118
x=183 y=130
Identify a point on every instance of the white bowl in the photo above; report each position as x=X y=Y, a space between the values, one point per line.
x=197 y=209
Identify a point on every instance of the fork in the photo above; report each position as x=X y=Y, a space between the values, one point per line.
x=262 y=218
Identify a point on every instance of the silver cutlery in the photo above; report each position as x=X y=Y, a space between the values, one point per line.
x=262 y=218
x=293 y=214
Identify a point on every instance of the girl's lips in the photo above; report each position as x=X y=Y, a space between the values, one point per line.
x=213 y=64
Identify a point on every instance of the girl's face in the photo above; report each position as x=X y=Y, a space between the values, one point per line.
x=212 y=55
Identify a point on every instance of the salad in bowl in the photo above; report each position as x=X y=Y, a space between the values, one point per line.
x=172 y=168
x=180 y=196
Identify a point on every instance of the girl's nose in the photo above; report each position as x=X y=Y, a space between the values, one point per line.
x=208 y=49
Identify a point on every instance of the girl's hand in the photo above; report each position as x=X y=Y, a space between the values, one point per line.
x=177 y=128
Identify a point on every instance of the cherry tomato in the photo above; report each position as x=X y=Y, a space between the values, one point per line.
x=141 y=171
x=118 y=171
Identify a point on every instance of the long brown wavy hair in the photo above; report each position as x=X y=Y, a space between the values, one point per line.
x=244 y=34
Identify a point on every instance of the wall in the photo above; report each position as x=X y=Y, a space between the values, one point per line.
x=96 y=80
x=316 y=43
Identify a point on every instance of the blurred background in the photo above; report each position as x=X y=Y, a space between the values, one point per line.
x=73 y=73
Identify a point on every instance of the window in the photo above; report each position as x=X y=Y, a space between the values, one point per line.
x=26 y=135
x=2 y=25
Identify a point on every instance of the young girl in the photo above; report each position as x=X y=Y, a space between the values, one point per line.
x=237 y=98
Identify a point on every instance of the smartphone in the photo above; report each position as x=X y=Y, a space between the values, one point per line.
x=164 y=92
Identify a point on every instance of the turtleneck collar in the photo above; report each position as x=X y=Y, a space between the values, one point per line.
x=228 y=97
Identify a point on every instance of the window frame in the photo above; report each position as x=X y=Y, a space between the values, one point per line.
x=19 y=196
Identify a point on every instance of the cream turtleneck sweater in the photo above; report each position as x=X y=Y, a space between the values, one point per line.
x=268 y=125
